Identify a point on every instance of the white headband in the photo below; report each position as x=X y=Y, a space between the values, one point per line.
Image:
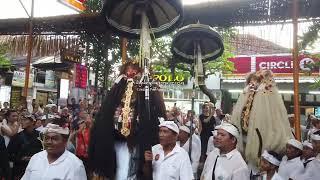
x=271 y=159
x=185 y=129
x=56 y=129
x=230 y=129
x=315 y=137
x=170 y=125
x=295 y=143
x=307 y=144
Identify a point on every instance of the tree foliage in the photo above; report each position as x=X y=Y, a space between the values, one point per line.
x=5 y=62
x=308 y=40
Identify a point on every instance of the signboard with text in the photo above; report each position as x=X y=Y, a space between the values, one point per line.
x=282 y=64
x=81 y=76
x=70 y=56
x=18 y=79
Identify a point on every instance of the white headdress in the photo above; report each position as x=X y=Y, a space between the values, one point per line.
x=56 y=129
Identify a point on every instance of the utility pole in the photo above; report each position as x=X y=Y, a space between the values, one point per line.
x=29 y=55
x=296 y=70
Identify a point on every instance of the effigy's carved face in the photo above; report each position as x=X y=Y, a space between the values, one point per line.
x=131 y=72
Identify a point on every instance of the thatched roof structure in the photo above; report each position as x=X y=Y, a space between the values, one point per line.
x=247 y=44
x=215 y=13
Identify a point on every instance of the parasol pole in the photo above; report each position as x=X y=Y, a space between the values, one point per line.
x=30 y=42
x=145 y=44
x=124 y=49
x=296 y=70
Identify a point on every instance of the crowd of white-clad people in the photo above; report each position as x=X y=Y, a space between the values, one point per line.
x=48 y=143
x=45 y=141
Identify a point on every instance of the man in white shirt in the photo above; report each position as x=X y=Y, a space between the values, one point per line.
x=291 y=165
x=169 y=160
x=269 y=165
x=315 y=126
x=308 y=154
x=312 y=169
x=225 y=162
x=55 y=162
x=184 y=141
x=212 y=140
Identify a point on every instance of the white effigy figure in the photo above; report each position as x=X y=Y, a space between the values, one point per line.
x=261 y=117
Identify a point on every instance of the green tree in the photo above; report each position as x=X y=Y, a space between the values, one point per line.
x=5 y=63
x=307 y=41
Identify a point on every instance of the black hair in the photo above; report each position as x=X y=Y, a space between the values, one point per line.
x=275 y=155
x=317 y=133
x=9 y=112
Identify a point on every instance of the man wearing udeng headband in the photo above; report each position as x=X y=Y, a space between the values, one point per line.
x=55 y=162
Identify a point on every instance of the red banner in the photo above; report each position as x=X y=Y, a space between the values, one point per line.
x=81 y=76
x=242 y=65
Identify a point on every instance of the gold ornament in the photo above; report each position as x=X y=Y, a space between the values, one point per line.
x=125 y=131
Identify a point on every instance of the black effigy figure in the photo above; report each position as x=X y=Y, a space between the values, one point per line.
x=121 y=131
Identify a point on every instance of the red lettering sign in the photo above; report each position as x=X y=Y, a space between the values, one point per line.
x=81 y=76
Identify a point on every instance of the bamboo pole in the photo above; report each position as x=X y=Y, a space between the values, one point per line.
x=124 y=49
x=296 y=70
x=30 y=42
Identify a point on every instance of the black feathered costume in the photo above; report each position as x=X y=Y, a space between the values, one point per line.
x=143 y=132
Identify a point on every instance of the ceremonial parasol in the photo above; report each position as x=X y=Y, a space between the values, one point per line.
x=140 y=18
x=195 y=44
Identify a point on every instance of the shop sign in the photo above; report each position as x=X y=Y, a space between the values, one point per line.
x=70 y=56
x=283 y=64
x=49 y=79
x=81 y=76
x=278 y=64
x=18 y=79
x=16 y=97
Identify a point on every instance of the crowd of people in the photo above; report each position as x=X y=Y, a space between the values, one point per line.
x=121 y=141
x=26 y=138
x=23 y=134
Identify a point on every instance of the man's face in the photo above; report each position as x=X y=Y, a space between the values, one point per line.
x=183 y=136
x=224 y=139
x=215 y=141
x=291 y=121
x=26 y=123
x=54 y=109
x=218 y=112
x=292 y=152
x=73 y=101
x=166 y=136
x=317 y=124
x=265 y=165
x=13 y=117
x=307 y=152
x=54 y=143
x=6 y=105
x=206 y=109
x=64 y=112
x=316 y=146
